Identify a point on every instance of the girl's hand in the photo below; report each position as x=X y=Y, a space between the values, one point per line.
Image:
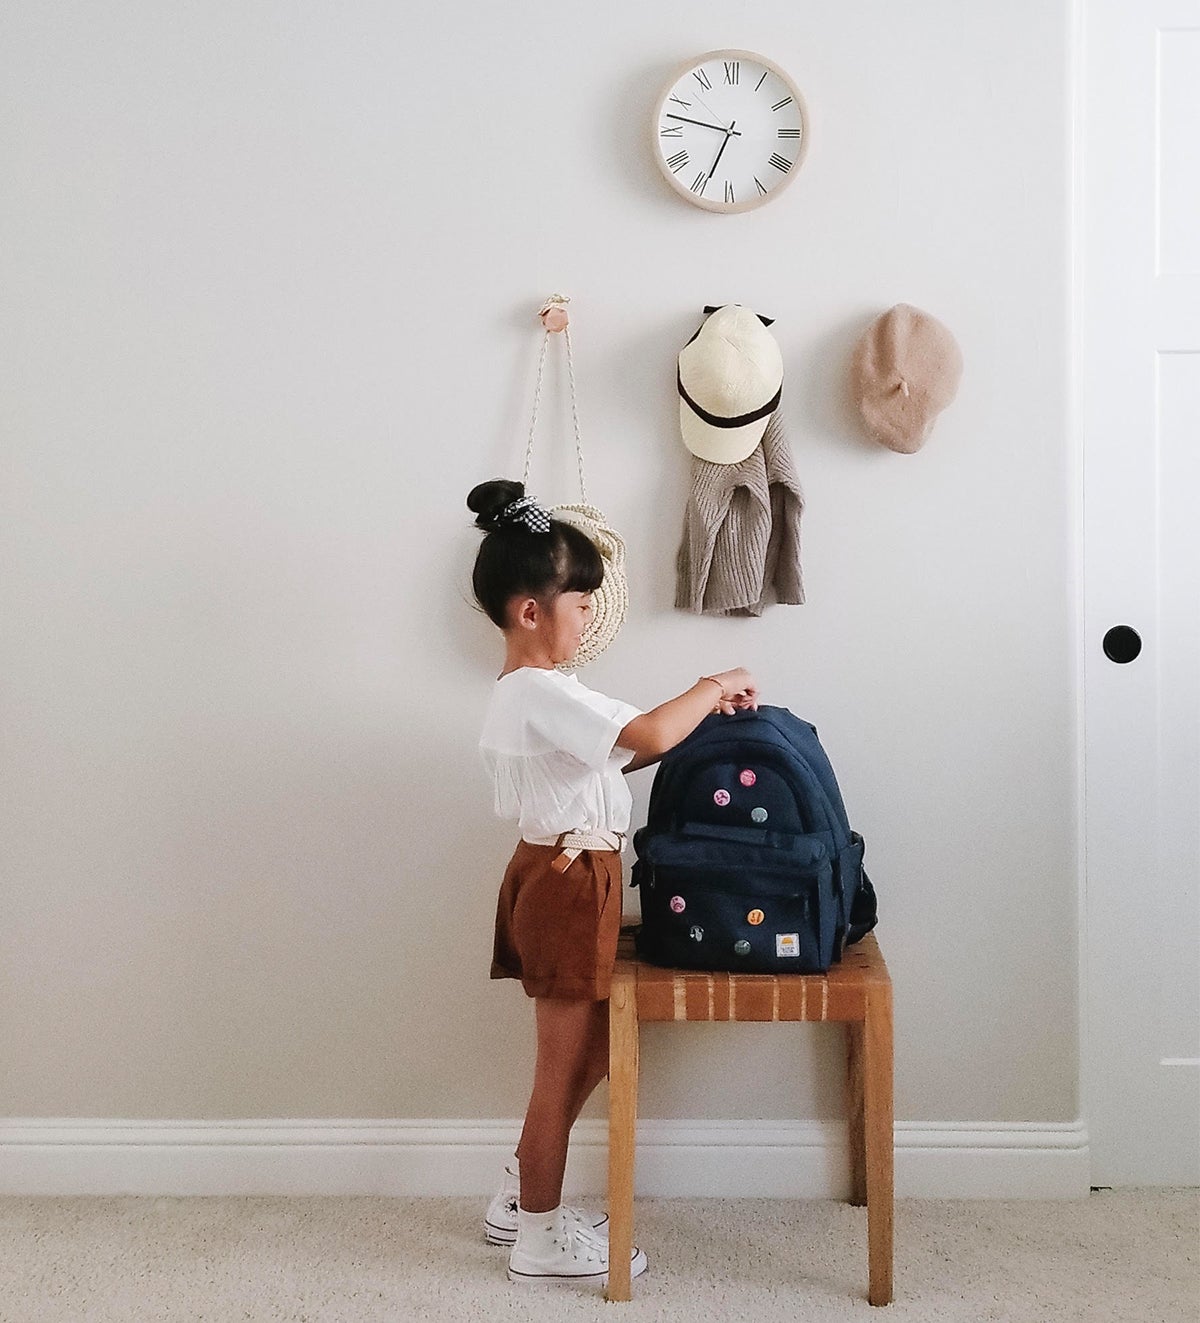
x=652 y=733
x=739 y=690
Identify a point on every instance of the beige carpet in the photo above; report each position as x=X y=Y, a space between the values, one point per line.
x=1128 y=1257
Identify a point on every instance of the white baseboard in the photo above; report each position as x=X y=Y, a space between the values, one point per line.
x=730 y=1159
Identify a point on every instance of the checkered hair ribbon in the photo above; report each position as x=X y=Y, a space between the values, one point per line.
x=525 y=510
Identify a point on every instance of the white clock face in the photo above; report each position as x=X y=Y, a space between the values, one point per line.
x=730 y=130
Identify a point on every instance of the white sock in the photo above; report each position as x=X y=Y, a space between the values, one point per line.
x=537 y=1231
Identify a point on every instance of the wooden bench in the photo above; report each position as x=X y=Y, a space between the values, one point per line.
x=857 y=992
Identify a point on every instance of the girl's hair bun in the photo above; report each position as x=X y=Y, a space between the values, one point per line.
x=489 y=498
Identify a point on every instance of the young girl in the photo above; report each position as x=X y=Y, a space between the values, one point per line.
x=557 y=751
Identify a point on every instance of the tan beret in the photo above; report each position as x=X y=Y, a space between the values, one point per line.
x=905 y=371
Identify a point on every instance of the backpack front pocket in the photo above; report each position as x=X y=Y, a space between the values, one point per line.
x=727 y=904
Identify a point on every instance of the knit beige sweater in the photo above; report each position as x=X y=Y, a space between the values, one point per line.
x=741 y=532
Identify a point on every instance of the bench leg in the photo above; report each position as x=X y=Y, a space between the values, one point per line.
x=878 y=1140
x=622 y=1124
x=854 y=1112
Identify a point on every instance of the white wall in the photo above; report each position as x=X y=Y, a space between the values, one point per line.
x=269 y=280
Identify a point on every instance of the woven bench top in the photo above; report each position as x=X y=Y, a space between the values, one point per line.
x=688 y=994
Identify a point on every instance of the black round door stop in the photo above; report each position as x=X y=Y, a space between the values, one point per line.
x=1122 y=644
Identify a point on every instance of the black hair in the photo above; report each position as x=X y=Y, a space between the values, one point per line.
x=513 y=561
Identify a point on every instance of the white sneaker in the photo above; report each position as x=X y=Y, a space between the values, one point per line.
x=500 y=1220
x=562 y=1251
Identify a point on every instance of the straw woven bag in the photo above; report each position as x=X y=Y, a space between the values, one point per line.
x=611 y=599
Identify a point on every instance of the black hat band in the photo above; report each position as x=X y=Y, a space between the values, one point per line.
x=713 y=420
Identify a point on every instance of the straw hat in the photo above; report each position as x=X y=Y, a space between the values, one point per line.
x=905 y=371
x=730 y=379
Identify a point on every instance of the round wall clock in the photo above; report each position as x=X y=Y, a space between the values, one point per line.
x=730 y=130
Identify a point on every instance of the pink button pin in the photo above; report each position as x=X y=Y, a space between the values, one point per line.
x=747 y=778
x=678 y=904
x=721 y=798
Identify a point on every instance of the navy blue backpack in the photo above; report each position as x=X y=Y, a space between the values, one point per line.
x=747 y=861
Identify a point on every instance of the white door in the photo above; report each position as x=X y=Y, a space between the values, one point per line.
x=1140 y=409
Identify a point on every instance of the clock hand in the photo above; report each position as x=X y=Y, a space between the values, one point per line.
x=701 y=101
x=702 y=124
x=729 y=133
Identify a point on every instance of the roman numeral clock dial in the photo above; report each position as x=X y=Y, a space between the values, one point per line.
x=730 y=130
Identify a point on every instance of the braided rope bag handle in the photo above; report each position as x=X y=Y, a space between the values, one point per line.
x=611 y=600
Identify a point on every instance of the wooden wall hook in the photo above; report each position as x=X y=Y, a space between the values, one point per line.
x=554 y=313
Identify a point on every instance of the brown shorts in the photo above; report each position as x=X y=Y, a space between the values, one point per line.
x=557 y=932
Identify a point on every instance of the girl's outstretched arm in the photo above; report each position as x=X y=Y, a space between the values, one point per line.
x=663 y=727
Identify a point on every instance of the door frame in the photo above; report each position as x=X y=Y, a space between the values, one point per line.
x=1077 y=89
